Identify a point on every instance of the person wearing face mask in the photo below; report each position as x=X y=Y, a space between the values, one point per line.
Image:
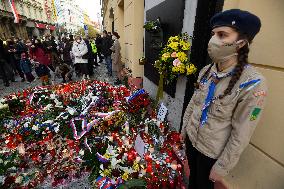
x=116 y=56
x=227 y=102
x=80 y=51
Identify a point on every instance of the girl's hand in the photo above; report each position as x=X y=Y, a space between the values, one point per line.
x=215 y=177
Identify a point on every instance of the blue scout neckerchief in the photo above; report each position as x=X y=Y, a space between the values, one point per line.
x=210 y=96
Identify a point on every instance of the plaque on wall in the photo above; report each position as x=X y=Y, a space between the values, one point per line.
x=170 y=13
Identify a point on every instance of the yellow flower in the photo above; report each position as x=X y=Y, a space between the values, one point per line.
x=136 y=166
x=107 y=156
x=106 y=172
x=165 y=56
x=182 y=56
x=175 y=69
x=174 y=38
x=185 y=45
x=173 y=45
x=191 y=69
x=125 y=176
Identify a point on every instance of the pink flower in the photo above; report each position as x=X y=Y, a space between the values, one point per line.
x=174 y=55
x=176 y=62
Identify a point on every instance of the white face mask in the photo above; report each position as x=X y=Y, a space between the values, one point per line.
x=221 y=52
x=78 y=41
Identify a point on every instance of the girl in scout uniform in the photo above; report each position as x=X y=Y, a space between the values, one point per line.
x=226 y=105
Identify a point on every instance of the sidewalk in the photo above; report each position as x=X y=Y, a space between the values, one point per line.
x=100 y=74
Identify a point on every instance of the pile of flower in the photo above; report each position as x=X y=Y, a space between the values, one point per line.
x=174 y=59
x=56 y=134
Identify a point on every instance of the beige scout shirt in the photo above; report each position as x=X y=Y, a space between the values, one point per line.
x=231 y=120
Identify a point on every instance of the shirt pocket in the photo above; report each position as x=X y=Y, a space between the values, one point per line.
x=222 y=109
x=199 y=96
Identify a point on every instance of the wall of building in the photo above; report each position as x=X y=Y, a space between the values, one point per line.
x=69 y=15
x=128 y=18
x=40 y=11
x=262 y=164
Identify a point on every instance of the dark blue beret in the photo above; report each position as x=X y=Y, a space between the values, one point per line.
x=243 y=21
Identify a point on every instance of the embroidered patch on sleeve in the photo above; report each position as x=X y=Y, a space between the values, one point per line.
x=259 y=93
x=255 y=113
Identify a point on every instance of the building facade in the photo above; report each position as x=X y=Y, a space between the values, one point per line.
x=69 y=15
x=127 y=18
x=25 y=18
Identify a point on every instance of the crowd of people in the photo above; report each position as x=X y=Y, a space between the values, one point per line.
x=64 y=57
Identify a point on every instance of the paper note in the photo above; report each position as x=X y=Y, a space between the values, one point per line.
x=162 y=112
x=139 y=146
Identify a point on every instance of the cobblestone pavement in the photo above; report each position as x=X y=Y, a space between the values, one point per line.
x=100 y=73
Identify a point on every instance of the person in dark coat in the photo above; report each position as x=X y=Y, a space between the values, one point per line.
x=99 y=44
x=43 y=73
x=54 y=53
x=65 y=49
x=14 y=47
x=106 y=45
x=6 y=71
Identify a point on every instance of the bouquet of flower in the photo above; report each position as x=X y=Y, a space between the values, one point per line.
x=174 y=61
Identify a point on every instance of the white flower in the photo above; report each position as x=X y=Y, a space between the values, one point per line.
x=2 y=100
x=102 y=167
x=3 y=106
x=48 y=122
x=114 y=162
x=47 y=107
x=71 y=110
x=56 y=129
x=35 y=127
x=81 y=152
x=1 y=160
x=52 y=96
x=26 y=124
x=2 y=178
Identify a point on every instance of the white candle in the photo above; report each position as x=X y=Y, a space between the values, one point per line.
x=146 y=129
x=127 y=128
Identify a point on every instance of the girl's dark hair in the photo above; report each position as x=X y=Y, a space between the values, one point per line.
x=238 y=70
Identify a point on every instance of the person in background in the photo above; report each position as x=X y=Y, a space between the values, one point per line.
x=28 y=45
x=90 y=57
x=54 y=53
x=116 y=56
x=38 y=54
x=80 y=52
x=65 y=71
x=94 y=51
x=106 y=45
x=14 y=59
x=43 y=73
x=6 y=71
x=99 y=47
x=26 y=67
x=46 y=45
